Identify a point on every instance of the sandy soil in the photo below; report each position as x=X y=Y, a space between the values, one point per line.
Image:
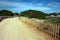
x=15 y=29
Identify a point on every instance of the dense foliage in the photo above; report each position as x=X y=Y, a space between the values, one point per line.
x=5 y=13
x=55 y=14
x=28 y=13
x=33 y=14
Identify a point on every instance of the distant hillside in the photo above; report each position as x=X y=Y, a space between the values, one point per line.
x=5 y=13
x=33 y=14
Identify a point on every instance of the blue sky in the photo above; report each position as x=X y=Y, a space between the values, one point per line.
x=47 y=6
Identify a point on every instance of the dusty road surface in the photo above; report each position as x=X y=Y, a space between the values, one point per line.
x=14 y=29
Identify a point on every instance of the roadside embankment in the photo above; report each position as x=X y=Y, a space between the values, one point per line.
x=40 y=25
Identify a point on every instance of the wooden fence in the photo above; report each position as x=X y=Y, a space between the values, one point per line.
x=51 y=29
x=4 y=17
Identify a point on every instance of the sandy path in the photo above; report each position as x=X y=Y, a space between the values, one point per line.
x=14 y=29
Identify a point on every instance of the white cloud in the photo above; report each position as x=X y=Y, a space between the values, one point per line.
x=23 y=6
x=5 y=3
x=54 y=4
x=39 y=4
x=34 y=1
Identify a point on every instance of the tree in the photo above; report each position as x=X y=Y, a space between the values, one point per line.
x=53 y=14
x=33 y=14
x=58 y=13
x=15 y=14
x=6 y=13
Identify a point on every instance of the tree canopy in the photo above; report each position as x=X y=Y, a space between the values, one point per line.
x=27 y=13
x=33 y=14
x=6 y=13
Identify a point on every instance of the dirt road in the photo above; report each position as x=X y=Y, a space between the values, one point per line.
x=14 y=29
